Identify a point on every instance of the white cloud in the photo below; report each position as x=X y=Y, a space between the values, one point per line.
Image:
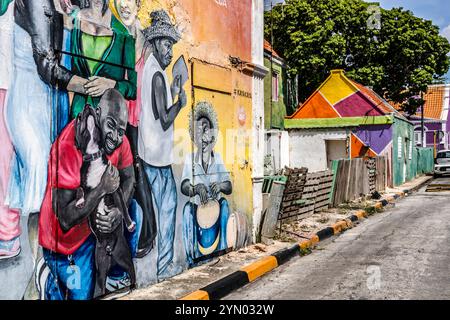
x=446 y=32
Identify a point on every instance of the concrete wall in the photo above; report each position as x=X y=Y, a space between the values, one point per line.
x=228 y=93
x=277 y=148
x=308 y=147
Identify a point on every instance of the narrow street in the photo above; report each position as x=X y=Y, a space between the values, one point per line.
x=402 y=253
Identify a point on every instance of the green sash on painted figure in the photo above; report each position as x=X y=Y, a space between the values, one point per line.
x=119 y=56
x=4 y=6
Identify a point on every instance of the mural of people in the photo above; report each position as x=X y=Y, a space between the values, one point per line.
x=204 y=180
x=156 y=131
x=64 y=231
x=9 y=218
x=34 y=119
x=126 y=12
x=104 y=53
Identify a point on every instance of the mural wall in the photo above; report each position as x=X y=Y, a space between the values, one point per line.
x=125 y=142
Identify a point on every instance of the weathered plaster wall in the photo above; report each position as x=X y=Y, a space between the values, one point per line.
x=277 y=147
x=308 y=147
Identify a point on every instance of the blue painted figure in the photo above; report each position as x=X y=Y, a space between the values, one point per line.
x=205 y=180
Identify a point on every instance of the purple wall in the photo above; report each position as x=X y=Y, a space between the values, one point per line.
x=377 y=137
x=429 y=134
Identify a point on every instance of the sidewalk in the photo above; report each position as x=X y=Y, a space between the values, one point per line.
x=193 y=279
x=410 y=186
x=199 y=277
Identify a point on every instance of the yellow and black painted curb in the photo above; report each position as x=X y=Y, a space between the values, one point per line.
x=255 y=270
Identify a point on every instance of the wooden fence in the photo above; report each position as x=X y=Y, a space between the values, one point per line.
x=358 y=177
x=305 y=193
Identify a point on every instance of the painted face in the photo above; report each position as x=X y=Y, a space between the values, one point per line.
x=113 y=123
x=204 y=135
x=128 y=10
x=164 y=51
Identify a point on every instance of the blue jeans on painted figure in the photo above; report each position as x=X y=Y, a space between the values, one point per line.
x=191 y=228
x=79 y=280
x=165 y=195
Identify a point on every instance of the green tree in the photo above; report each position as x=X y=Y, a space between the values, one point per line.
x=398 y=57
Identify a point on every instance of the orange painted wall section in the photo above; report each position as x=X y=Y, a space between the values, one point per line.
x=357 y=149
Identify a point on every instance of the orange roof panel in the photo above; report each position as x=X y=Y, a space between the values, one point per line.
x=268 y=48
x=434 y=102
x=316 y=108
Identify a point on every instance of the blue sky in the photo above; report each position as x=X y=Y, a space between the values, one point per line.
x=436 y=10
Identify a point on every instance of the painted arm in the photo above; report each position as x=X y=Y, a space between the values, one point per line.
x=45 y=26
x=65 y=201
x=224 y=187
x=127 y=183
x=159 y=98
x=66 y=209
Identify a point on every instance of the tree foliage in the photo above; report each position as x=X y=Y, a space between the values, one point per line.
x=398 y=57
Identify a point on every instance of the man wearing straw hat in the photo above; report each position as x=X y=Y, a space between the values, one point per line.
x=156 y=132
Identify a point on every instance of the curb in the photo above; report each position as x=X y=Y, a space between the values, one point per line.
x=256 y=270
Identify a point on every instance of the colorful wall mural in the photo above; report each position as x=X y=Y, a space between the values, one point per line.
x=125 y=141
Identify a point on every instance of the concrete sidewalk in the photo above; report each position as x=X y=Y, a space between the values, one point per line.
x=193 y=279
x=210 y=273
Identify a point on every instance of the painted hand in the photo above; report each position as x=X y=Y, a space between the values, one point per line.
x=202 y=191
x=182 y=98
x=110 y=180
x=108 y=223
x=216 y=189
x=175 y=88
x=97 y=86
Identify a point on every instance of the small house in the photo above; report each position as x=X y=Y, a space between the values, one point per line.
x=343 y=119
x=436 y=119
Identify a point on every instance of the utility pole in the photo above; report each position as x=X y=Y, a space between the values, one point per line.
x=422 y=120
x=271 y=64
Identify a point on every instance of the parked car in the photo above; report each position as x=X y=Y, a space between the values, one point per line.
x=442 y=163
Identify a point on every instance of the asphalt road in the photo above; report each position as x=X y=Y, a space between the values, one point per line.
x=402 y=253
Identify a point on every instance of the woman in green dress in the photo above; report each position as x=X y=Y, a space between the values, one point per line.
x=103 y=52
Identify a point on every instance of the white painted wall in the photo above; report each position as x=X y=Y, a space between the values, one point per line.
x=258 y=140
x=308 y=147
x=444 y=116
x=277 y=145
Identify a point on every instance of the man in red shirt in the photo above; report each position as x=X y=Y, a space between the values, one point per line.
x=64 y=231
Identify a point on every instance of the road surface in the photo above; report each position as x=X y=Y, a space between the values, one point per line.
x=402 y=253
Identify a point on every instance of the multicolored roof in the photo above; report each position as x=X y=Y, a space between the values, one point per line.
x=341 y=97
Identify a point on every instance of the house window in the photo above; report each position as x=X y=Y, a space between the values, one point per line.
x=400 y=147
x=418 y=138
x=275 y=82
